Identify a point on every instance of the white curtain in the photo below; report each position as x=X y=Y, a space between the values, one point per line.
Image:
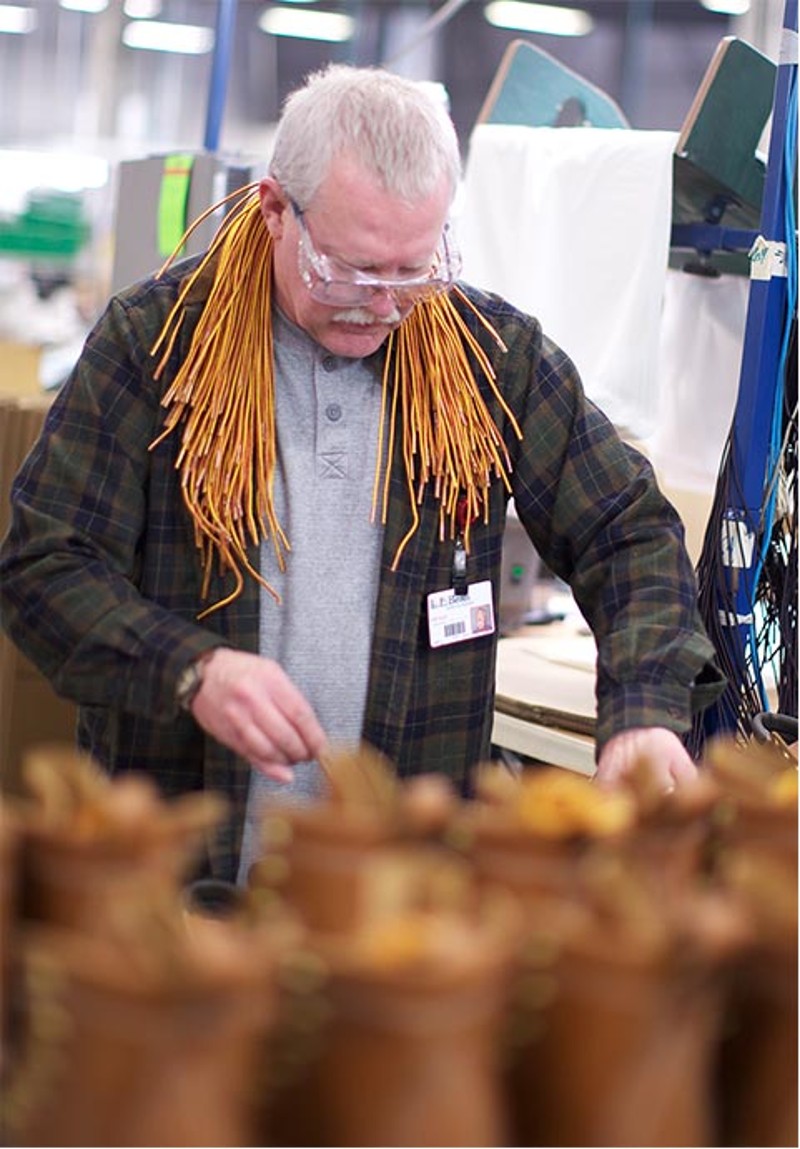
x=572 y=225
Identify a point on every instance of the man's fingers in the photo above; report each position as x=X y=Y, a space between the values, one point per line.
x=274 y=771
x=249 y=704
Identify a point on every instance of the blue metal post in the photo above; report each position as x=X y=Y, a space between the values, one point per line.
x=223 y=48
x=742 y=527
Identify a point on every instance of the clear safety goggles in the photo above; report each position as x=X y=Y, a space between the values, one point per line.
x=333 y=282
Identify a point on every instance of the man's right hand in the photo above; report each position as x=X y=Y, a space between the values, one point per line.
x=250 y=705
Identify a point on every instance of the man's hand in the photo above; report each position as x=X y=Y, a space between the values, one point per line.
x=662 y=750
x=250 y=705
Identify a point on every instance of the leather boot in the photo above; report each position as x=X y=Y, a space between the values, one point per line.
x=327 y=862
x=623 y=1057
x=125 y=1047
x=534 y=836
x=9 y=869
x=756 y=859
x=618 y=1007
x=90 y=843
x=408 y=1055
x=758 y=1065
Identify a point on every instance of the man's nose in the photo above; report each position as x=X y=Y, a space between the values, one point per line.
x=383 y=302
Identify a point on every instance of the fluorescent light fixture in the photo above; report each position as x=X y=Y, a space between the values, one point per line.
x=158 y=36
x=142 y=9
x=304 y=24
x=548 y=18
x=62 y=171
x=16 y=18
x=727 y=7
x=90 y=6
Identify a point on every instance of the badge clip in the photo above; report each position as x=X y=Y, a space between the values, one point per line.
x=459 y=567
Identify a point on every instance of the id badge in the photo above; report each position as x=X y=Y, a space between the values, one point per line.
x=456 y=617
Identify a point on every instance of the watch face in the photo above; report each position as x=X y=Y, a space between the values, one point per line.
x=190 y=679
x=188 y=685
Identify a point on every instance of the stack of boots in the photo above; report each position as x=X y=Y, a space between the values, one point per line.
x=411 y=1060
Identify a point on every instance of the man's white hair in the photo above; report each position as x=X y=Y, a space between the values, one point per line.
x=394 y=127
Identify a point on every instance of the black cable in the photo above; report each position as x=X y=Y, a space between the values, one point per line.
x=766 y=723
x=774 y=600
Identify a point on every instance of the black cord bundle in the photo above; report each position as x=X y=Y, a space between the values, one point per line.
x=774 y=600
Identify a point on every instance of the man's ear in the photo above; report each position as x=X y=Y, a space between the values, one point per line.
x=274 y=205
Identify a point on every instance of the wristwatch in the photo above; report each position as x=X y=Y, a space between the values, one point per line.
x=190 y=680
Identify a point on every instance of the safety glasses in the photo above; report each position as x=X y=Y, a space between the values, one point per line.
x=333 y=282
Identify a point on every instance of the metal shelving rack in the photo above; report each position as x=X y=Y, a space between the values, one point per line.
x=730 y=564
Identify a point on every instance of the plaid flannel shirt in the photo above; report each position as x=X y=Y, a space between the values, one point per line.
x=101 y=582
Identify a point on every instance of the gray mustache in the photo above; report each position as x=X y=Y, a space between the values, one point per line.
x=361 y=316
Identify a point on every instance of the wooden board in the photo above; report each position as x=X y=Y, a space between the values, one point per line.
x=532 y=88
x=716 y=166
x=547 y=677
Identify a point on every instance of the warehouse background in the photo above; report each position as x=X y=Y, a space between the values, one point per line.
x=72 y=76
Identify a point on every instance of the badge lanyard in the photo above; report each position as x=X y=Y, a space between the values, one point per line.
x=464 y=610
x=459 y=551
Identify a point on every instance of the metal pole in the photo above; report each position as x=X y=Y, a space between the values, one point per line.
x=223 y=48
x=741 y=531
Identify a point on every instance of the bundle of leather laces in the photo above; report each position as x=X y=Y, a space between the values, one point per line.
x=223 y=398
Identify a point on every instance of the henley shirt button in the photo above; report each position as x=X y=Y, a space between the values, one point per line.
x=329 y=363
x=334 y=412
x=674 y=711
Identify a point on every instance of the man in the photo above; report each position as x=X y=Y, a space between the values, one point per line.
x=278 y=477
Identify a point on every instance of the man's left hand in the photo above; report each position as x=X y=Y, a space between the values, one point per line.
x=660 y=749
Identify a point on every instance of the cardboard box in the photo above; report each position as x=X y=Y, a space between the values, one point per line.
x=20 y=369
x=31 y=714
x=30 y=711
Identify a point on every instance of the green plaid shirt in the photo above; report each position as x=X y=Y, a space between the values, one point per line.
x=101 y=582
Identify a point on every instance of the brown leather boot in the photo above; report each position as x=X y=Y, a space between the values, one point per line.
x=617 y=1012
x=398 y=1043
x=336 y=862
x=755 y=859
x=757 y=1079
x=408 y=1055
x=322 y=861
x=9 y=870
x=90 y=843
x=532 y=836
x=151 y=1043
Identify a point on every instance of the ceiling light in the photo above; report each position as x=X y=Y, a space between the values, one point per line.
x=91 y=6
x=158 y=36
x=547 y=18
x=727 y=7
x=306 y=25
x=61 y=171
x=142 y=9
x=16 y=18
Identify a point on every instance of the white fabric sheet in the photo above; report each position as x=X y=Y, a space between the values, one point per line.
x=701 y=340
x=572 y=225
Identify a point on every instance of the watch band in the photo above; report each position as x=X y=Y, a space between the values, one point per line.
x=190 y=680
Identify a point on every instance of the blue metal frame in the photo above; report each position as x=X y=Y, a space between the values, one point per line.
x=742 y=525
x=710 y=237
x=220 y=70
